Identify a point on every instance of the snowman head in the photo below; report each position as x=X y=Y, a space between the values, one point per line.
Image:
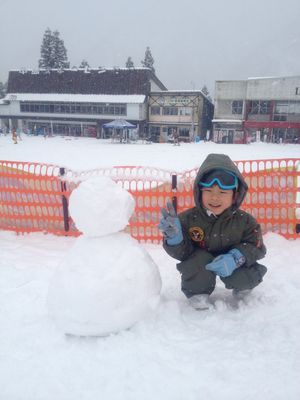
x=99 y=207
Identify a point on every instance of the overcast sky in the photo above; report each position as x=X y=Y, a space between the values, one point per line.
x=193 y=42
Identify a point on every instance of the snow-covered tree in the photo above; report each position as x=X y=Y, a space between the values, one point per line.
x=148 y=60
x=84 y=64
x=205 y=91
x=53 y=51
x=46 y=50
x=2 y=90
x=60 y=52
x=129 y=63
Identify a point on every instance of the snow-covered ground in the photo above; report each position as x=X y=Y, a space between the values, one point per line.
x=236 y=352
x=88 y=153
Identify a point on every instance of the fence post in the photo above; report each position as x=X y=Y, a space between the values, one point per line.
x=64 y=201
x=174 y=191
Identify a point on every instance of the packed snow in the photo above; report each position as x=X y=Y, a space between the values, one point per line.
x=245 y=350
x=100 y=207
x=88 y=153
x=107 y=281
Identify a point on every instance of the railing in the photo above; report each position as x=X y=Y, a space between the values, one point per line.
x=34 y=197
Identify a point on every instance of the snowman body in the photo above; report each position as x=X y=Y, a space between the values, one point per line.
x=108 y=281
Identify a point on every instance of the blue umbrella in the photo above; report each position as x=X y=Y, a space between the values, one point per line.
x=119 y=124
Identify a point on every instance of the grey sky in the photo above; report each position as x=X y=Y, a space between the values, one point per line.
x=193 y=42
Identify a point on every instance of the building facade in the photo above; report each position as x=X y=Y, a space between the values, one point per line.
x=257 y=109
x=76 y=102
x=187 y=114
x=79 y=102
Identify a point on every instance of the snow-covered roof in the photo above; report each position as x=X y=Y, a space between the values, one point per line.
x=84 y=81
x=274 y=77
x=80 y=98
x=86 y=69
x=181 y=92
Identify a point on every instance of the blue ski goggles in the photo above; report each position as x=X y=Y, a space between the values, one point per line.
x=226 y=180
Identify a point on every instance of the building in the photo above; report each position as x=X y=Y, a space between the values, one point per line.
x=77 y=102
x=266 y=109
x=187 y=113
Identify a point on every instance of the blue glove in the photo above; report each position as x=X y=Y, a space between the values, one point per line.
x=170 y=225
x=225 y=264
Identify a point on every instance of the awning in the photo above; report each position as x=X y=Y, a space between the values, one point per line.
x=119 y=124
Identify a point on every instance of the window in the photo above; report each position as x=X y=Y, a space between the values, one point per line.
x=155 y=130
x=123 y=110
x=283 y=109
x=155 y=110
x=278 y=117
x=260 y=107
x=237 y=107
x=74 y=108
x=170 y=111
x=265 y=107
x=184 y=132
x=185 y=111
x=294 y=107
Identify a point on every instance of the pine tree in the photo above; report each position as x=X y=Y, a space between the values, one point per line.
x=205 y=91
x=129 y=63
x=60 y=52
x=148 y=60
x=53 y=51
x=84 y=64
x=46 y=50
x=2 y=90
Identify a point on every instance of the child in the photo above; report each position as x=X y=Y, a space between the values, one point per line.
x=215 y=238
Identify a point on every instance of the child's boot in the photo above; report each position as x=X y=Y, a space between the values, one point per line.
x=241 y=294
x=200 y=302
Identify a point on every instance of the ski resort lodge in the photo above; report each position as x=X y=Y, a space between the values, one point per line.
x=79 y=102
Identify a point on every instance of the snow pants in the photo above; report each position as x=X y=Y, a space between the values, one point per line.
x=195 y=279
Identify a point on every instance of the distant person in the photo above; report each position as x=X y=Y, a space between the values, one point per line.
x=14 y=136
x=176 y=137
x=215 y=238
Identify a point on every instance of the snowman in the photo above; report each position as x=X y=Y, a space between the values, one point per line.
x=107 y=281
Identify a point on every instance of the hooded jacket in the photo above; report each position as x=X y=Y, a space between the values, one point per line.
x=217 y=235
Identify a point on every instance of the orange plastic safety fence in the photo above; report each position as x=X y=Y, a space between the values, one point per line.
x=34 y=197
